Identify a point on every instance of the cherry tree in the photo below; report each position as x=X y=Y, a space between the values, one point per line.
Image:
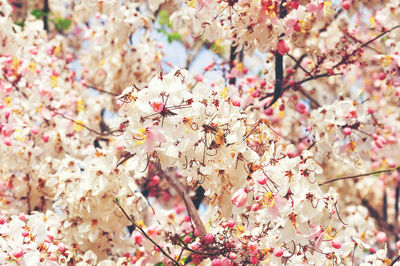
x=199 y=132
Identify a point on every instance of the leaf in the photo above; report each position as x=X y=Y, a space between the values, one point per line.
x=174 y=36
x=62 y=24
x=160 y=264
x=37 y=13
x=163 y=19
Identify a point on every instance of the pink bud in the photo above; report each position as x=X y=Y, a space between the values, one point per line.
x=262 y=180
x=281 y=107
x=370 y=110
x=34 y=130
x=232 y=256
x=21 y=216
x=216 y=262
x=49 y=239
x=186 y=218
x=235 y=101
x=269 y=111
x=253 y=260
x=209 y=238
x=2 y=220
x=157 y=105
x=155 y=180
x=380 y=142
x=7 y=131
x=199 y=77
x=282 y=47
x=372 y=250
x=347 y=131
x=336 y=244
x=45 y=137
x=381 y=237
x=346 y=4
x=231 y=223
x=278 y=252
x=61 y=247
x=239 y=198
x=398 y=245
x=255 y=93
x=69 y=58
x=33 y=50
x=7 y=141
x=187 y=239
x=295 y=4
x=255 y=207
x=382 y=75
x=226 y=262
x=138 y=239
x=18 y=252
x=301 y=108
x=25 y=233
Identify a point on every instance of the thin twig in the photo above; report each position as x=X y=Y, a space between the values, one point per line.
x=308 y=96
x=359 y=41
x=344 y=59
x=186 y=198
x=15 y=86
x=298 y=64
x=83 y=125
x=360 y=175
x=116 y=202
x=126 y=158
x=103 y=91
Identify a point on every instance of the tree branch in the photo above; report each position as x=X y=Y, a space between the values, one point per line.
x=186 y=198
x=360 y=175
x=116 y=202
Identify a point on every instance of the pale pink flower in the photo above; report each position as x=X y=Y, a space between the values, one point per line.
x=239 y=198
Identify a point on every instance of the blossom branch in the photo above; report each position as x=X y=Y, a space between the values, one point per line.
x=15 y=86
x=103 y=91
x=186 y=198
x=360 y=175
x=83 y=125
x=344 y=59
x=116 y=202
x=299 y=65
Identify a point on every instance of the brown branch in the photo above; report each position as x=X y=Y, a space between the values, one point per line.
x=341 y=62
x=103 y=91
x=308 y=96
x=15 y=86
x=190 y=58
x=396 y=205
x=28 y=194
x=116 y=202
x=359 y=41
x=344 y=59
x=395 y=260
x=360 y=175
x=83 y=125
x=46 y=11
x=186 y=198
x=384 y=205
x=298 y=64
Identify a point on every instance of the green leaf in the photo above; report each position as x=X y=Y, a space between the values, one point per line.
x=37 y=13
x=19 y=23
x=63 y=23
x=117 y=200
x=174 y=36
x=160 y=264
x=163 y=19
